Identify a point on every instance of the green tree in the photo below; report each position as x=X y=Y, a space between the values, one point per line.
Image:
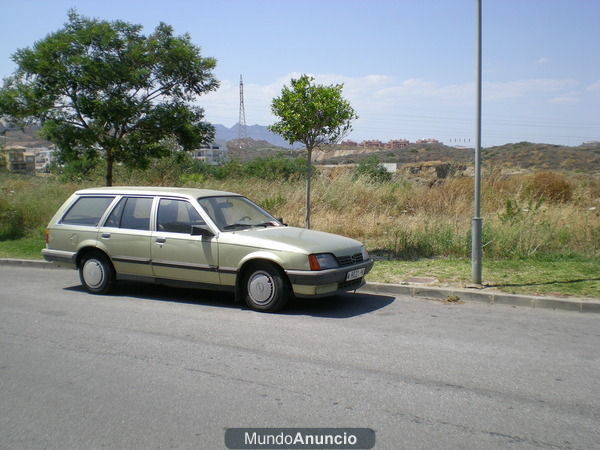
x=314 y=115
x=372 y=169
x=104 y=90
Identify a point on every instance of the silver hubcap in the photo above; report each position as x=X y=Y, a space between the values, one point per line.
x=261 y=288
x=93 y=273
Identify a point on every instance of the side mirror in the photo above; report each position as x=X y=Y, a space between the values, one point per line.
x=280 y=219
x=199 y=230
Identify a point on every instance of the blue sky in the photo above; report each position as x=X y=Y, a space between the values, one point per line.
x=408 y=66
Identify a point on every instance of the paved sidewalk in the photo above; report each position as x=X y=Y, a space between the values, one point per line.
x=448 y=294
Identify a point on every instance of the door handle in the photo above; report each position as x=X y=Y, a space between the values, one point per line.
x=161 y=240
x=105 y=235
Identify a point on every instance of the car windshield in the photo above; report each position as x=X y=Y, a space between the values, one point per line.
x=232 y=213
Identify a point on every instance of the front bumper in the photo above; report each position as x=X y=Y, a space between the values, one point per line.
x=321 y=283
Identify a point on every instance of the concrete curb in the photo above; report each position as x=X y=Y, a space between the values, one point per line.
x=429 y=292
x=28 y=263
x=489 y=297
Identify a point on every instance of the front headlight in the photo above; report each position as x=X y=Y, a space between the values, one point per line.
x=321 y=261
x=365 y=254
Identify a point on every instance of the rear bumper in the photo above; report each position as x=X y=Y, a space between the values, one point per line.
x=60 y=257
x=327 y=282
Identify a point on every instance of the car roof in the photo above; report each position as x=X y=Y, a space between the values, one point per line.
x=154 y=190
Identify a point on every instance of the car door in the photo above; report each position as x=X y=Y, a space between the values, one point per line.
x=125 y=236
x=176 y=254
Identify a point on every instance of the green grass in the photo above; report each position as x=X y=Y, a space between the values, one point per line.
x=24 y=248
x=579 y=277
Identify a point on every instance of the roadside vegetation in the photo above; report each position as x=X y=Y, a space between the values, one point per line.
x=541 y=230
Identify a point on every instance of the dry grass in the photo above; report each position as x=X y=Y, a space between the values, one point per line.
x=416 y=220
x=398 y=219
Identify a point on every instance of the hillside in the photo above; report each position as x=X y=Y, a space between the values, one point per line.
x=524 y=155
x=27 y=138
x=248 y=149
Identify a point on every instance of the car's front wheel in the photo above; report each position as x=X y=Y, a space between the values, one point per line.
x=265 y=288
x=96 y=273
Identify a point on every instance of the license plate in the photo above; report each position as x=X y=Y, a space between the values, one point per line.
x=354 y=274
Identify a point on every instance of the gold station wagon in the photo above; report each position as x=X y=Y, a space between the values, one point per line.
x=199 y=238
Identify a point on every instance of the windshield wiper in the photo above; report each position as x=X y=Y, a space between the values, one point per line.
x=237 y=226
x=264 y=224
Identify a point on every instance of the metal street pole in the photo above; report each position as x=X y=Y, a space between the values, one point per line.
x=476 y=225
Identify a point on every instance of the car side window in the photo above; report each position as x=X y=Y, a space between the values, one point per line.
x=177 y=216
x=136 y=213
x=87 y=211
x=114 y=219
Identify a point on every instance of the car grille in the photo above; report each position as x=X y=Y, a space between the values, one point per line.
x=349 y=260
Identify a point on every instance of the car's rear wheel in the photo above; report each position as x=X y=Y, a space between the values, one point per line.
x=265 y=288
x=96 y=273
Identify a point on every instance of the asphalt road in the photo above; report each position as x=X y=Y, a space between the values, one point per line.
x=153 y=367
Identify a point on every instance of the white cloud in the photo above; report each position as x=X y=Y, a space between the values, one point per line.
x=565 y=99
x=594 y=87
x=411 y=108
x=542 y=60
x=520 y=88
x=427 y=89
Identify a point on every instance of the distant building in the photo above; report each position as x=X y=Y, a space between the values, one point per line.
x=374 y=143
x=211 y=154
x=349 y=143
x=428 y=141
x=44 y=156
x=396 y=144
x=18 y=160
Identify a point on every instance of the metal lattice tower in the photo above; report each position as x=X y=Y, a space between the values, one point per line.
x=242 y=131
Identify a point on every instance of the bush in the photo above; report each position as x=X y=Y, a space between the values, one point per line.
x=272 y=203
x=549 y=186
x=12 y=224
x=372 y=169
x=276 y=168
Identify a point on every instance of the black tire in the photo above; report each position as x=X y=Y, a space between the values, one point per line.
x=96 y=273
x=265 y=288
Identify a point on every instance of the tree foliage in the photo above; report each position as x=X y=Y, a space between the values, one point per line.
x=371 y=169
x=314 y=115
x=104 y=90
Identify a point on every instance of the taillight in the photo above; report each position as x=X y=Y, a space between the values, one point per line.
x=46 y=236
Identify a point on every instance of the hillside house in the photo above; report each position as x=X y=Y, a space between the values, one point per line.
x=18 y=160
x=428 y=141
x=395 y=144
x=44 y=156
x=211 y=154
x=374 y=143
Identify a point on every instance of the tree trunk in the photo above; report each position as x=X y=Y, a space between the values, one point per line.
x=308 y=177
x=109 y=167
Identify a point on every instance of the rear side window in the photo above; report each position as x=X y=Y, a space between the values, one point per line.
x=87 y=211
x=136 y=214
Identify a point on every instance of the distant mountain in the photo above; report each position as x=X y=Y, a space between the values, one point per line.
x=256 y=132
x=222 y=135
